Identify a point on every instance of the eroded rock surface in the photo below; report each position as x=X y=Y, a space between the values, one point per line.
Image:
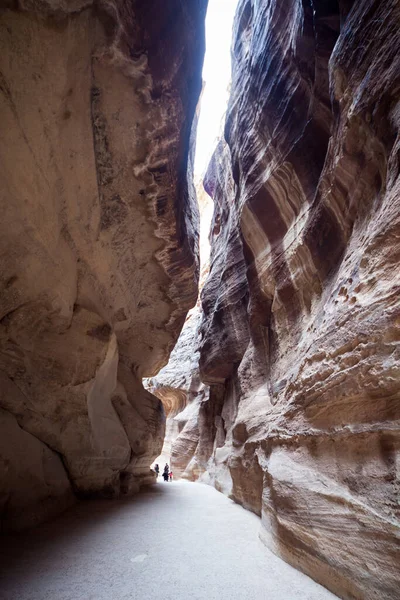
x=182 y=393
x=301 y=327
x=178 y=384
x=98 y=244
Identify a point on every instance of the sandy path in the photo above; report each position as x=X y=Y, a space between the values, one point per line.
x=176 y=541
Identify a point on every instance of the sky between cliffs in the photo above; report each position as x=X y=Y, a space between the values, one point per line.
x=216 y=75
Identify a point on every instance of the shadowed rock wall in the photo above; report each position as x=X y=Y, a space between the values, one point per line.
x=301 y=318
x=98 y=244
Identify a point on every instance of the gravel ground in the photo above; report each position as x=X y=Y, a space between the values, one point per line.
x=175 y=541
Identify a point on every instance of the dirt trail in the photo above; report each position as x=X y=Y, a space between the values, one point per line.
x=176 y=541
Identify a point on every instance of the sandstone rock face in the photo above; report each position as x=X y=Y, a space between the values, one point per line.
x=301 y=327
x=182 y=393
x=34 y=483
x=98 y=244
x=178 y=384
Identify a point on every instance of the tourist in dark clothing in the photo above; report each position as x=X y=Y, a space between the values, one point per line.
x=157 y=470
x=166 y=472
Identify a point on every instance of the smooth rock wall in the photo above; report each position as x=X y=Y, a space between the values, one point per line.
x=301 y=314
x=98 y=245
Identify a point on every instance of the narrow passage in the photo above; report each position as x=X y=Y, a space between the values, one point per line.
x=175 y=541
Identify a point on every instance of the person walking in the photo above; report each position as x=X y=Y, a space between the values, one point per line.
x=166 y=472
x=157 y=469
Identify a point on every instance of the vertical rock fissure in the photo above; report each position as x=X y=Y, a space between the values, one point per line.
x=178 y=385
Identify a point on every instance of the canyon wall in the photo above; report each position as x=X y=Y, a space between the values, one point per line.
x=182 y=393
x=178 y=384
x=98 y=247
x=301 y=317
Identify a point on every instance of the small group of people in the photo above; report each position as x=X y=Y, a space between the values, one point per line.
x=167 y=474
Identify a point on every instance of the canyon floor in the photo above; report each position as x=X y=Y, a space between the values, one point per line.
x=176 y=540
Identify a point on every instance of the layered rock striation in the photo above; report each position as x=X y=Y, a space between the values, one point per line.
x=98 y=243
x=301 y=318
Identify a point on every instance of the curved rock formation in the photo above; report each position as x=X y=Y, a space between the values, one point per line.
x=99 y=238
x=182 y=393
x=300 y=334
x=178 y=384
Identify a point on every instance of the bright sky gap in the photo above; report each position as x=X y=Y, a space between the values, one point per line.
x=216 y=77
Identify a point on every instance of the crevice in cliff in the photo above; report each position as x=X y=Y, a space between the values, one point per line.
x=212 y=109
x=178 y=385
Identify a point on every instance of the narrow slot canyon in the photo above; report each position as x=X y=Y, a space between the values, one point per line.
x=199 y=250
